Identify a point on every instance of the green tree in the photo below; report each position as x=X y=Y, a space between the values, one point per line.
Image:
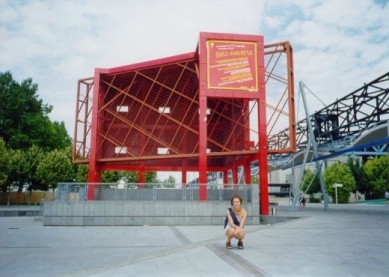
x=114 y=176
x=151 y=177
x=358 y=172
x=21 y=168
x=311 y=182
x=130 y=176
x=110 y=176
x=169 y=182
x=18 y=170
x=60 y=138
x=81 y=173
x=33 y=155
x=377 y=173
x=24 y=120
x=55 y=167
x=3 y=162
x=340 y=174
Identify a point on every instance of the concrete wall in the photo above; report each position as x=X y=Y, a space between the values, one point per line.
x=140 y=213
x=120 y=213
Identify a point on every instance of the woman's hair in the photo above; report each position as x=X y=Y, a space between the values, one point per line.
x=236 y=196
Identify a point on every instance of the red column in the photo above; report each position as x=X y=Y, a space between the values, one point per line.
x=262 y=133
x=235 y=176
x=94 y=179
x=142 y=179
x=203 y=149
x=247 y=172
x=94 y=171
x=184 y=172
x=262 y=160
x=202 y=119
x=225 y=178
x=247 y=143
x=184 y=177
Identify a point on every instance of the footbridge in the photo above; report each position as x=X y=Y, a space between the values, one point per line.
x=356 y=124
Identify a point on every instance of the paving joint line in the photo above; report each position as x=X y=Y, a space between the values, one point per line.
x=180 y=235
x=245 y=267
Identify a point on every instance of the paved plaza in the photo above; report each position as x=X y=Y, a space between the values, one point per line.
x=346 y=240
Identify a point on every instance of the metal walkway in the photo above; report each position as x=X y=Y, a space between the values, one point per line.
x=357 y=124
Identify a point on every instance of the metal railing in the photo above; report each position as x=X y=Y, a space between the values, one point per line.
x=75 y=192
x=38 y=210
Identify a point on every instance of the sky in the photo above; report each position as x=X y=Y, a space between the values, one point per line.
x=338 y=44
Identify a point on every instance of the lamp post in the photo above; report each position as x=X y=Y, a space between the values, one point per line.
x=336 y=186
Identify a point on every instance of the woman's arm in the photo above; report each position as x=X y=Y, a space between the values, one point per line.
x=243 y=221
x=231 y=221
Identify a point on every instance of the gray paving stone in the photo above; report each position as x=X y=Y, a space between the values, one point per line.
x=347 y=240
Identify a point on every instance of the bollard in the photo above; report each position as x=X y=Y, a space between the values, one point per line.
x=273 y=211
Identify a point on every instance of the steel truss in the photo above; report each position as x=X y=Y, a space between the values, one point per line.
x=341 y=125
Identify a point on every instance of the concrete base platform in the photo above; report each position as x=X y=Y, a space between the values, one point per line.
x=138 y=213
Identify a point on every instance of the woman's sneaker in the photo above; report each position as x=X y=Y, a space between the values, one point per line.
x=228 y=245
x=240 y=245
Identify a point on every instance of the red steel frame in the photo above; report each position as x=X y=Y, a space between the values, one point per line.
x=182 y=113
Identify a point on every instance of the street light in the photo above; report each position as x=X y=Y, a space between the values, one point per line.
x=336 y=186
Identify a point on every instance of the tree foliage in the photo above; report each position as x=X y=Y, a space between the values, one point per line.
x=55 y=167
x=151 y=177
x=115 y=176
x=81 y=173
x=17 y=170
x=33 y=156
x=339 y=173
x=310 y=182
x=169 y=182
x=356 y=167
x=4 y=159
x=24 y=120
x=377 y=172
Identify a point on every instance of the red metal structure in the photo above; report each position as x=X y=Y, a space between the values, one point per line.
x=203 y=111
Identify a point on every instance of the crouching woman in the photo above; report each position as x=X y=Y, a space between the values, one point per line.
x=235 y=219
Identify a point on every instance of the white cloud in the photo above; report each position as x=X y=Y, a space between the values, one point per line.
x=274 y=22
